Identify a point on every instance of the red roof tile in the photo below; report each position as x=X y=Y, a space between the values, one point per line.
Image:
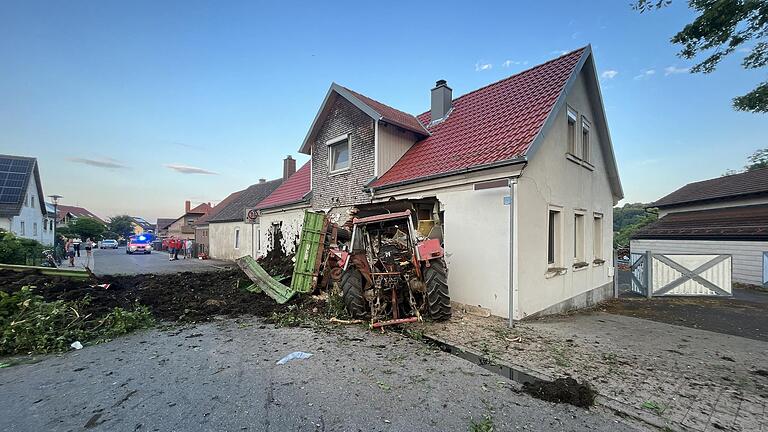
x=390 y=114
x=492 y=124
x=291 y=191
x=202 y=208
x=215 y=210
x=77 y=212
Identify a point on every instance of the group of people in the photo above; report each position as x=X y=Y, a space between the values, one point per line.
x=72 y=249
x=176 y=246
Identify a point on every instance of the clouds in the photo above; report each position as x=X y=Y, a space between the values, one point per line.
x=108 y=163
x=673 y=70
x=186 y=169
x=645 y=74
x=609 y=74
x=510 y=63
x=482 y=66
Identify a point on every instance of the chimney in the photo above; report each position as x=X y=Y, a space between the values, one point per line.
x=289 y=167
x=187 y=206
x=262 y=180
x=442 y=96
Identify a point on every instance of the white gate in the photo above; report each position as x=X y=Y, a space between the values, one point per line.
x=655 y=274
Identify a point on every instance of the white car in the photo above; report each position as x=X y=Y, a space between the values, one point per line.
x=108 y=244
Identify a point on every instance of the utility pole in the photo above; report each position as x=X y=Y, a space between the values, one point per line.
x=55 y=199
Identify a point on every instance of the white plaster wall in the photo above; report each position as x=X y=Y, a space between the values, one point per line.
x=222 y=240
x=292 y=219
x=552 y=179
x=714 y=205
x=476 y=228
x=30 y=216
x=747 y=255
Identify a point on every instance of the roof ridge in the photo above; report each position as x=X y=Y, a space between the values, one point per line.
x=377 y=101
x=512 y=76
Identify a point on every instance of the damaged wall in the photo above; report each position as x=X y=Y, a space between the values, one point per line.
x=290 y=221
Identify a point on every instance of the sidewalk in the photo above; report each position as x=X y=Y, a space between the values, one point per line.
x=80 y=262
x=686 y=378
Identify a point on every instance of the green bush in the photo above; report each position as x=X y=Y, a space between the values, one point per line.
x=15 y=250
x=28 y=324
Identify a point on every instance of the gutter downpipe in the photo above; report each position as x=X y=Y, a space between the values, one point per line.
x=513 y=291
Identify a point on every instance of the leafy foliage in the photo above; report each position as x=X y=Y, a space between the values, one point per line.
x=629 y=219
x=28 y=324
x=122 y=225
x=755 y=161
x=15 y=250
x=720 y=28
x=85 y=227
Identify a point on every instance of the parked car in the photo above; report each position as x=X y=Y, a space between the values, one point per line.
x=108 y=244
x=139 y=244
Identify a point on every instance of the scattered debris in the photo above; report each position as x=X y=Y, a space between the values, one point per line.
x=562 y=390
x=296 y=355
x=657 y=408
x=344 y=321
x=76 y=345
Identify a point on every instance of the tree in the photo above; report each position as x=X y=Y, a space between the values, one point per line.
x=85 y=227
x=123 y=225
x=629 y=219
x=720 y=28
x=758 y=159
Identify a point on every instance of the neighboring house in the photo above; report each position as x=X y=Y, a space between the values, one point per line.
x=202 y=235
x=229 y=236
x=162 y=226
x=68 y=213
x=22 y=203
x=283 y=210
x=183 y=227
x=519 y=176
x=141 y=225
x=725 y=215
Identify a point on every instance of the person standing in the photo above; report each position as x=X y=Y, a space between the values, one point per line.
x=170 y=243
x=69 y=247
x=77 y=247
x=176 y=246
x=88 y=252
x=190 y=244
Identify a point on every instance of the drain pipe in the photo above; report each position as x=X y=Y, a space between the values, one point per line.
x=512 y=249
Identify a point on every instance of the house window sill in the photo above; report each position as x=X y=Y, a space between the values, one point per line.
x=338 y=172
x=579 y=161
x=555 y=271
x=598 y=263
x=580 y=266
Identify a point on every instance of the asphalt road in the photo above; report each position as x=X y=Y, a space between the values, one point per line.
x=116 y=261
x=222 y=376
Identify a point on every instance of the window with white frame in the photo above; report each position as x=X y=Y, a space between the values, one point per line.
x=554 y=230
x=585 y=138
x=338 y=154
x=578 y=237
x=572 y=116
x=237 y=238
x=597 y=241
x=23 y=229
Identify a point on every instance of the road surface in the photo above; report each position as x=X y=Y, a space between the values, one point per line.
x=116 y=261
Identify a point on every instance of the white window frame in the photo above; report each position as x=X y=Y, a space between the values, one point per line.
x=556 y=236
x=578 y=236
x=572 y=118
x=332 y=143
x=586 y=145
x=237 y=238
x=23 y=228
x=597 y=236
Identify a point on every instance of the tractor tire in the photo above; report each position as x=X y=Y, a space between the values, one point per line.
x=352 y=292
x=438 y=300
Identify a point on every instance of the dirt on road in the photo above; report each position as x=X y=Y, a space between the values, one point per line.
x=187 y=297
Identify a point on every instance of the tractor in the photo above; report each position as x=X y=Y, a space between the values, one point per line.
x=390 y=274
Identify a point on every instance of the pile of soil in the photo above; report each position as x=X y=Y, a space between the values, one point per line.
x=188 y=297
x=562 y=390
x=277 y=262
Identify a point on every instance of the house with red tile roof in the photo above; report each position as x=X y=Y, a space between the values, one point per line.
x=518 y=177
x=67 y=214
x=183 y=227
x=726 y=215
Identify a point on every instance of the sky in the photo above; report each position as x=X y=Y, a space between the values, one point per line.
x=135 y=107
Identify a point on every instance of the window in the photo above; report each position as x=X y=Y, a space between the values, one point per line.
x=553 y=237
x=572 y=131
x=578 y=237
x=598 y=236
x=338 y=153
x=237 y=238
x=34 y=229
x=23 y=228
x=585 y=154
x=32 y=201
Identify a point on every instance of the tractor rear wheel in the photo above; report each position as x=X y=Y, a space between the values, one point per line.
x=352 y=292
x=436 y=279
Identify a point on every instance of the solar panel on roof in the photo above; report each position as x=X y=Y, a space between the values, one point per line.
x=13 y=175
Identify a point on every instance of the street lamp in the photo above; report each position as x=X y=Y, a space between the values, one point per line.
x=55 y=199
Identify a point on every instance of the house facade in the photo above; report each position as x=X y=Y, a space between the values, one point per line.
x=22 y=204
x=518 y=178
x=202 y=232
x=183 y=227
x=67 y=214
x=725 y=215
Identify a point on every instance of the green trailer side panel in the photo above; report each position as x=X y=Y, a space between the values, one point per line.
x=309 y=252
x=49 y=271
x=262 y=280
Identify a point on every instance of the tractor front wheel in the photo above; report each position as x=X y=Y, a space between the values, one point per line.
x=436 y=279
x=352 y=292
